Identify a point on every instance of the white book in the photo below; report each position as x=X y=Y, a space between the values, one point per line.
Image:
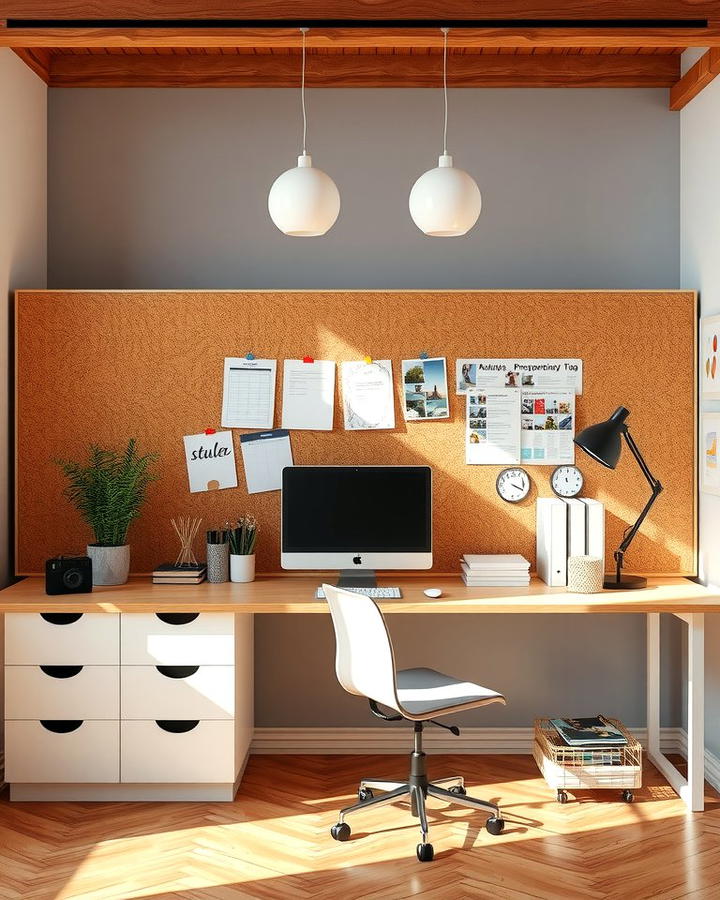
x=551 y=540
x=497 y=582
x=576 y=527
x=595 y=519
x=495 y=560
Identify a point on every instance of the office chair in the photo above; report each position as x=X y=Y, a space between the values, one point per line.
x=365 y=666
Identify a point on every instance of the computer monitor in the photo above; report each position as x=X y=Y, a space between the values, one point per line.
x=356 y=519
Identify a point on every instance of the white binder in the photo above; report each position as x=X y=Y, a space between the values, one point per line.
x=595 y=519
x=552 y=540
x=576 y=527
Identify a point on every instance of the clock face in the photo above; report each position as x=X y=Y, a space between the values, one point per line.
x=513 y=485
x=566 y=481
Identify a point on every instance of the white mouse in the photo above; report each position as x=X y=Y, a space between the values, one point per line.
x=433 y=592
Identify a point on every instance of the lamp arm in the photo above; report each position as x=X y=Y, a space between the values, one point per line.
x=656 y=491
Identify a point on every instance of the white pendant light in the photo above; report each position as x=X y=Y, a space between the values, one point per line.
x=445 y=202
x=304 y=201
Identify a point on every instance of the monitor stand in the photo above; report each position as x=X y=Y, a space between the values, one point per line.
x=357 y=578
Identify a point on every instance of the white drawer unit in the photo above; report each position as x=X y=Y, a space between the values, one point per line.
x=177 y=751
x=60 y=639
x=62 y=692
x=62 y=752
x=178 y=639
x=178 y=692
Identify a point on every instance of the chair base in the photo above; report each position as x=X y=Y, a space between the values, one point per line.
x=418 y=788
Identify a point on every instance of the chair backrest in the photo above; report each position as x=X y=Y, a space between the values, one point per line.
x=364 y=659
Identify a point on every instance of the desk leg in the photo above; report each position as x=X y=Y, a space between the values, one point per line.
x=690 y=789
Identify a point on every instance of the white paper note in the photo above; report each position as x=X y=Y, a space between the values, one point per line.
x=265 y=454
x=492 y=428
x=308 y=394
x=546 y=374
x=368 y=395
x=248 y=393
x=210 y=460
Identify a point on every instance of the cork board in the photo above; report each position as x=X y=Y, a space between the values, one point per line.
x=106 y=366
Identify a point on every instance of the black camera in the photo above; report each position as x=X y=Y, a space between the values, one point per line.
x=68 y=575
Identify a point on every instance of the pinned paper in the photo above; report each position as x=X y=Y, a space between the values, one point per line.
x=248 y=392
x=308 y=400
x=425 y=389
x=368 y=401
x=210 y=460
x=265 y=454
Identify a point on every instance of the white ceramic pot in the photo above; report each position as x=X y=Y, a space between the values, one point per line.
x=110 y=565
x=242 y=567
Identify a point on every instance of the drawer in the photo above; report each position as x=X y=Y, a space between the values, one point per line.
x=62 y=752
x=59 y=639
x=177 y=639
x=182 y=752
x=62 y=692
x=178 y=692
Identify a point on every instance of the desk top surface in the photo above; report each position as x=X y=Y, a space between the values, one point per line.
x=295 y=594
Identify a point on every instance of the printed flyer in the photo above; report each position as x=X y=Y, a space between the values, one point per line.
x=542 y=374
x=547 y=427
x=492 y=431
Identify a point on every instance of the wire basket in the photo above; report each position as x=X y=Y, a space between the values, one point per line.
x=570 y=768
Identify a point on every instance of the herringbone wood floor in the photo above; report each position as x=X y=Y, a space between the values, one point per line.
x=273 y=841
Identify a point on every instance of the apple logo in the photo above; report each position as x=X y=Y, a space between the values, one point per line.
x=357 y=560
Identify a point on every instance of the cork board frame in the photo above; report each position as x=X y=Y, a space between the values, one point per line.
x=104 y=366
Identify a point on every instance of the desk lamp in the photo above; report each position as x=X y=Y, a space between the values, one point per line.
x=603 y=443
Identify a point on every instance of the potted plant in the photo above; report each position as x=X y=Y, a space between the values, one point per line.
x=242 y=549
x=109 y=491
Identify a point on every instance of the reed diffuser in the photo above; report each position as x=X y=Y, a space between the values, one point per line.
x=243 y=535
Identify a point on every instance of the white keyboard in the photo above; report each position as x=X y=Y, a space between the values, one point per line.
x=377 y=593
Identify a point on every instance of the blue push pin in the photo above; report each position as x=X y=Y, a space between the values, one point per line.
x=249 y=356
x=423 y=354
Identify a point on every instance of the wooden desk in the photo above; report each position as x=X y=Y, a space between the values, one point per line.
x=295 y=594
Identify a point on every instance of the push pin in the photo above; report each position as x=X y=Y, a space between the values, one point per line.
x=308 y=359
x=423 y=354
x=249 y=356
x=209 y=431
x=368 y=360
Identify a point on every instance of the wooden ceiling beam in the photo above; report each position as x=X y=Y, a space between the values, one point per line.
x=697 y=77
x=357 y=9
x=372 y=71
x=340 y=38
x=37 y=58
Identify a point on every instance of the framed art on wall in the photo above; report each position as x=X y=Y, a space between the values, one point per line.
x=709 y=464
x=710 y=358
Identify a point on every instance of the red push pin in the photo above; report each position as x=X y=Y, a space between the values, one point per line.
x=308 y=359
x=209 y=431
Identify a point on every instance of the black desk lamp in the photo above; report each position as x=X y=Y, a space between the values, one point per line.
x=602 y=442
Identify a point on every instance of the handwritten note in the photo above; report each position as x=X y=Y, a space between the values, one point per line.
x=210 y=460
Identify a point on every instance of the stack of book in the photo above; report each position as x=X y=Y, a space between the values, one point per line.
x=595 y=732
x=495 y=570
x=169 y=573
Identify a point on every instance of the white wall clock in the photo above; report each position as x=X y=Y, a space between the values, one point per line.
x=567 y=481
x=513 y=485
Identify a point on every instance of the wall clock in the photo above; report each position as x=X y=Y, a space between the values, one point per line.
x=567 y=481
x=513 y=485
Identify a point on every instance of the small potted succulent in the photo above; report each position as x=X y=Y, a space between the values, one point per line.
x=108 y=491
x=242 y=549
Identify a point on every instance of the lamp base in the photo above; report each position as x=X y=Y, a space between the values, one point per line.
x=626 y=583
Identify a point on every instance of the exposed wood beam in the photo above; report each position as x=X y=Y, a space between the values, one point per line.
x=339 y=38
x=357 y=9
x=695 y=79
x=38 y=59
x=377 y=70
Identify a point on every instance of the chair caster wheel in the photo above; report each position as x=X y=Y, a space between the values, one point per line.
x=627 y=796
x=562 y=796
x=341 y=831
x=365 y=794
x=495 y=825
x=458 y=789
x=425 y=852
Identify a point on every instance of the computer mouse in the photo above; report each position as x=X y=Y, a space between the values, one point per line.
x=433 y=592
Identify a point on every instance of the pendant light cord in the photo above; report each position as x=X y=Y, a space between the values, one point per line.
x=302 y=93
x=445 y=33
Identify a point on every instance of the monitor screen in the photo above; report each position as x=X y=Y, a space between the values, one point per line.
x=356 y=509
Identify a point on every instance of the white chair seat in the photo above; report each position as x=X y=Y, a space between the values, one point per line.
x=425 y=692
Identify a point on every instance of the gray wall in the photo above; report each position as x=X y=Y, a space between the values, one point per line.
x=167 y=189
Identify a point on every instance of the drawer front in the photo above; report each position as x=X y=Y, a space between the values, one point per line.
x=87 y=754
x=178 y=692
x=62 y=692
x=151 y=754
x=205 y=639
x=92 y=639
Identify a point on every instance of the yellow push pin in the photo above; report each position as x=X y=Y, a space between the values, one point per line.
x=368 y=359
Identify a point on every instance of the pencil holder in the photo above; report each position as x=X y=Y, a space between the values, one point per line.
x=218 y=562
x=585 y=574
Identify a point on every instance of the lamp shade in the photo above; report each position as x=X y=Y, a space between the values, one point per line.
x=603 y=441
x=445 y=202
x=304 y=201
